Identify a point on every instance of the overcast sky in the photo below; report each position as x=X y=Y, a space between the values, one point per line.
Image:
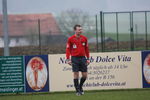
x=91 y=6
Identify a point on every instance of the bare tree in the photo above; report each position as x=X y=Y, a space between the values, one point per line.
x=69 y=18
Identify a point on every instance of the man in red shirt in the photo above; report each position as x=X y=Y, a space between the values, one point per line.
x=77 y=48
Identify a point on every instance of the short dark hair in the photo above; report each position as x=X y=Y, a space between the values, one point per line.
x=75 y=27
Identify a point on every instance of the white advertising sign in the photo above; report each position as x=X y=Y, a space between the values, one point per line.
x=114 y=70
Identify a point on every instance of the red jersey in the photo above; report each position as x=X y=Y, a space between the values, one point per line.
x=77 y=46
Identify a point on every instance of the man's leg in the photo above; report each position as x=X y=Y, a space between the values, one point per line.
x=82 y=80
x=76 y=82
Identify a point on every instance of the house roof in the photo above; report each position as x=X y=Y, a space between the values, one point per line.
x=20 y=25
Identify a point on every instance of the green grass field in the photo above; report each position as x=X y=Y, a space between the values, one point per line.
x=136 y=94
x=122 y=36
x=126 y=37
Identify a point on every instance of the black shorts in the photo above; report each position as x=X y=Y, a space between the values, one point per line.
x=79 y=64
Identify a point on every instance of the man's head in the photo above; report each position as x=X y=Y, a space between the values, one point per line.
x=78 y=29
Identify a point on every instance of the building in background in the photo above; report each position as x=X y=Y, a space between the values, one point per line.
x=24 y=29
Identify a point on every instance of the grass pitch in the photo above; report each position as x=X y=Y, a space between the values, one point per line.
x=137 y=94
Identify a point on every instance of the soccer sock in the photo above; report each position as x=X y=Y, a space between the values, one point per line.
x=82 y=80
x=76 y=84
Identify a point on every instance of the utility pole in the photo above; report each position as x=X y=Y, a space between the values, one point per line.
x=5 y=28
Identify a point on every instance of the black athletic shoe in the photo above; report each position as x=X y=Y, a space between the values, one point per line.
x=81 y=90
x=78 y=93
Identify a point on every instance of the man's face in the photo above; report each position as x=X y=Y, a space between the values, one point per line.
x=78 y=30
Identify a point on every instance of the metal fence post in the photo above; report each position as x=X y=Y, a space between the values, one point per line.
x=117 y=31
x=96 y=35
x=146 y=41
x=101 y=25
x=39 y=31
x=131 y=31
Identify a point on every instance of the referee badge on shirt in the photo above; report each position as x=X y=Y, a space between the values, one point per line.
x=83 y=44
x=74 y=46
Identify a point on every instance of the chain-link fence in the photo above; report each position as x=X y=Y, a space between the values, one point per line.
x=31 y=34
x=124 y=30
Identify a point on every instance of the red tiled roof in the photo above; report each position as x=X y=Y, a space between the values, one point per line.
x=20 y=25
